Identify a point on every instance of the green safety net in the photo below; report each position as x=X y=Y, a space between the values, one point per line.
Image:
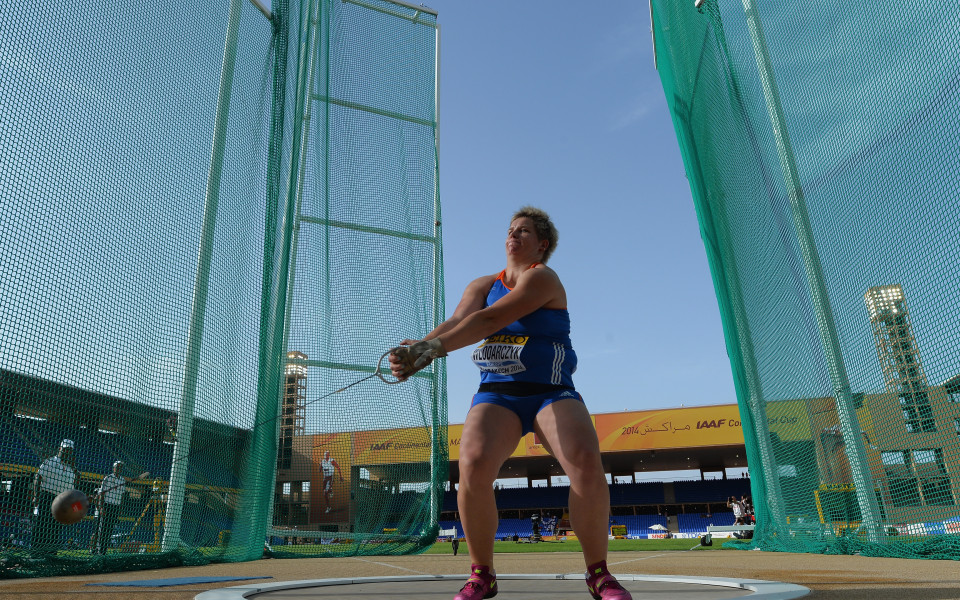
x=362 y=471
x=821 y=147
x=215 y=223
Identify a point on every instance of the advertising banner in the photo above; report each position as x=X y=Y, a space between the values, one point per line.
x=391 y=446
x=670 y=428
x=453 y=434
x=626 y=431
x=789 y=419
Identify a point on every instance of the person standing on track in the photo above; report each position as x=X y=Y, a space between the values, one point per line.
x=56 y=474
x=109 y=498
x=526 y=362
x=738 y=514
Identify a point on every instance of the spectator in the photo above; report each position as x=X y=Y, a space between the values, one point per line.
x=56 y=475
x=736 y=506
x=747 y=510
x=739 y=508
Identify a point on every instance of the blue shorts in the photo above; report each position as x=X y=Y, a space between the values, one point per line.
x=525 y=407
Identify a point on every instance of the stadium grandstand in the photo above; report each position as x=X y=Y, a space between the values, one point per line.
x=702 y=443
x=35 y=415
x=690 y=451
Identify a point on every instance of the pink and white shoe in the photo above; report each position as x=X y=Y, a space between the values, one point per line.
x=482 y=584
x=603 y=585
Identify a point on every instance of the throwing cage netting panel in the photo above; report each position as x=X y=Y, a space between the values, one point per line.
x=213 y=221
x=821 y=147
x=363 y=471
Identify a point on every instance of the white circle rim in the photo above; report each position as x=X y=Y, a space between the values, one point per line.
x=762 y=590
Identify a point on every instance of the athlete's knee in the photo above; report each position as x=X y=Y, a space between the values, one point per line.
x=478 y=459
x=477 y=468
x=582 y=456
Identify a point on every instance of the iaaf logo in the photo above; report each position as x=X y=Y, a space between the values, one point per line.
x=717 y=423
x=381 y=446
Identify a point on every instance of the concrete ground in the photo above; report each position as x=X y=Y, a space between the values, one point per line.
x=829 y=577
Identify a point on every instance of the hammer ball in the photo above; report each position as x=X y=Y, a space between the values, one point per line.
x=69 y=507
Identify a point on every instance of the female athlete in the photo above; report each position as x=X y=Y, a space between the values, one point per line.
x=526 y=366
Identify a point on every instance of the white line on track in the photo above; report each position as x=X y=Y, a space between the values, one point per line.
x=623 y=562
x=382 y=564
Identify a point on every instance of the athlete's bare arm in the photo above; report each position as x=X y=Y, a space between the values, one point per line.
x=535 y=288
x=473 y=299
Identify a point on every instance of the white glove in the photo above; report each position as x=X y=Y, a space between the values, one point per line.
x=418 y=355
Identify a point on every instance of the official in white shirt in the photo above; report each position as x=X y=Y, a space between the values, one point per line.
x=57 y=474
x=109 y=501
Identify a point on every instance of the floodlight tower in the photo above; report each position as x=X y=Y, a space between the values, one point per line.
x=292 y=408
x=293 y=402
x=898 y=354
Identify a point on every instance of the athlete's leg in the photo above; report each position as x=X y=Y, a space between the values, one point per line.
x=566 y=429
x=490 y=434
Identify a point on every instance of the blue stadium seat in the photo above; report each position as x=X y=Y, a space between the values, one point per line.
x=452 y=525
x=629 y=494
x=509 y=527
x=698 y=522
x=557 y=497
x=711 y=490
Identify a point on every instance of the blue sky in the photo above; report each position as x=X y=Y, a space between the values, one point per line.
x=549 y=104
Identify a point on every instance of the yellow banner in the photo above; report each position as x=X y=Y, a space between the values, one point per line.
x=390 y=446
x=453 y=435
x=644 y=430
x=455 y=432
x=670 y=428
x=635 y=430
x=789 y=419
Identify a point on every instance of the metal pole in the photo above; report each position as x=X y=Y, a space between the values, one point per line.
x=856 y=454
x=304 y=155
x=264 y=7
x=185 y=413
x=264 y=439
x=438 y=303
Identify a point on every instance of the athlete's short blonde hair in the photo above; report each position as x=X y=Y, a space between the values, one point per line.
x=543 y=225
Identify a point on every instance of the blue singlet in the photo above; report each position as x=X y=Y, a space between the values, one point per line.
x=529 y=363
